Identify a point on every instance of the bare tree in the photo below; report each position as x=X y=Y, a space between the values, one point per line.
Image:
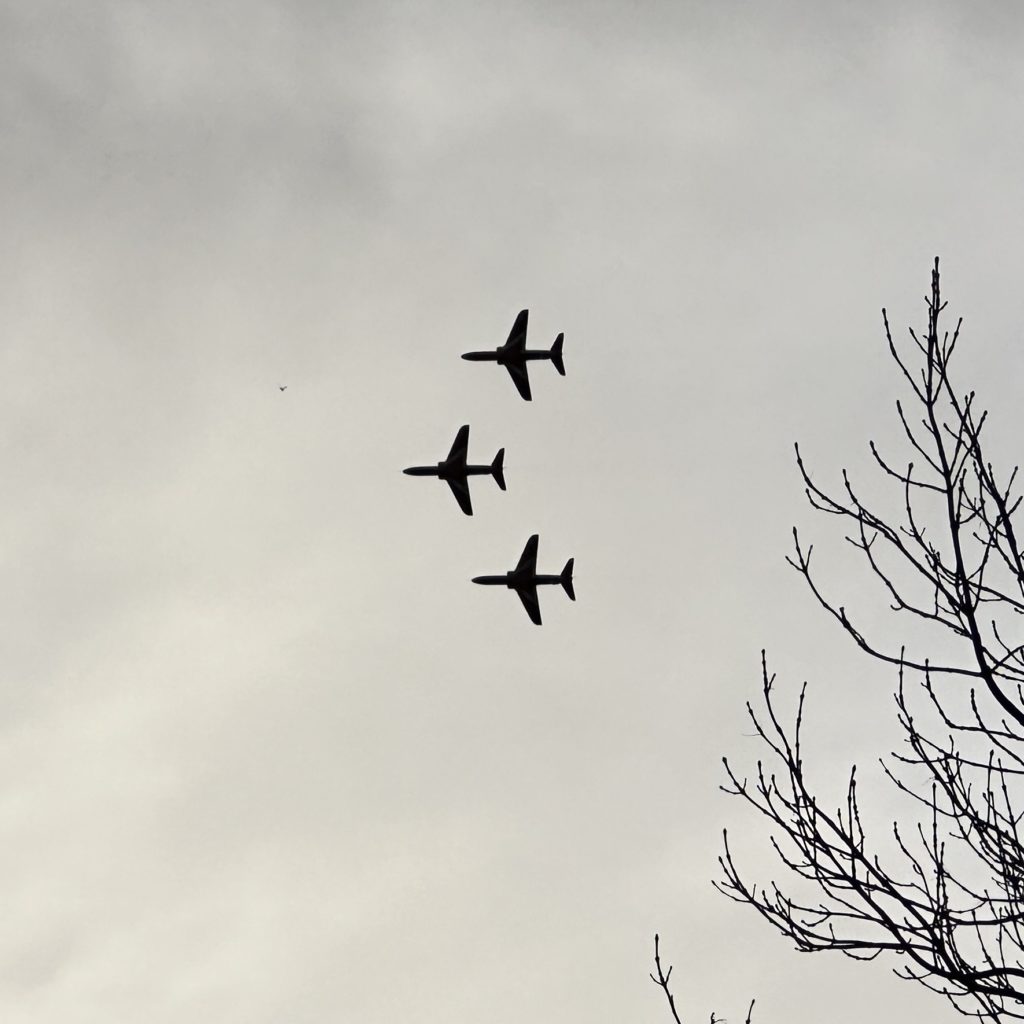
x=947 y=895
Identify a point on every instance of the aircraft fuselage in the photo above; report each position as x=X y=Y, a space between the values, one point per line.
x=446 y=471
x=503 y=358
x=512 y=580
x=494 y=581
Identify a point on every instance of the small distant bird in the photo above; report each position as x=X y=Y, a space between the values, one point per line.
x=283 y=387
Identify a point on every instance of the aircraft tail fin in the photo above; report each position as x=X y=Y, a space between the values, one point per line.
x=566 y=579
x=498 y=468
x=556 y=354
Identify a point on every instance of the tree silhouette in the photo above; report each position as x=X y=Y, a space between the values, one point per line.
x=947 y=896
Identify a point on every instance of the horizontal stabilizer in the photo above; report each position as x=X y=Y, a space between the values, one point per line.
x=556 y=354
x=566 y=579
x=498 y=468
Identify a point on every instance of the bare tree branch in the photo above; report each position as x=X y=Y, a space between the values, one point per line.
x=662 y=979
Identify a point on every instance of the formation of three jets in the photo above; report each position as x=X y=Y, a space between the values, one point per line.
x=455 y=469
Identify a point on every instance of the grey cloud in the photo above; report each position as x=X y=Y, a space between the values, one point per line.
x=265 y=753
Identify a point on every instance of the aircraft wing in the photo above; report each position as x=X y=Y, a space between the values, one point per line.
x=517 y=336
x=460 y=447
x=460 y=488
x=528 y=559
x=517 y=371
x=528 y=595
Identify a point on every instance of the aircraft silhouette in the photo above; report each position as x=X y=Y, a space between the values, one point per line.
x=514 y=355
x=524 y=579
x=454 y=471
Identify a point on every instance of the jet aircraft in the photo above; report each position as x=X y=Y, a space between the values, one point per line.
x=454 y=471
x=514 y=355
x=524 y=579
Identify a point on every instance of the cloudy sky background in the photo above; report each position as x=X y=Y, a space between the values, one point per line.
x=265 y=754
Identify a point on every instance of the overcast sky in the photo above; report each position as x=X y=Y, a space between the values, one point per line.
x=265 y=753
